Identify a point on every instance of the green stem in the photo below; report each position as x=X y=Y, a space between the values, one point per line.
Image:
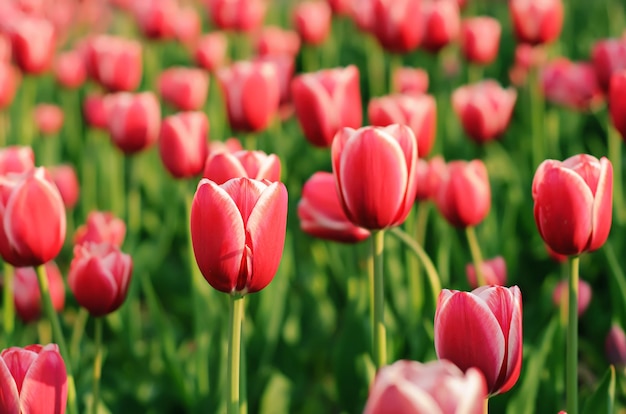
x=477 y=257
x=29 y=96
x=77 y=333
x=310 y=61
x=234 y=352
x=572 y=340
x=375 y=67
x=536 y=113
x=97 y=366
x=380 y=336
x=4 y=128
x=58 y=336
x=474 y=73
x=395 y=62
x=8 y=311
x=615 y=155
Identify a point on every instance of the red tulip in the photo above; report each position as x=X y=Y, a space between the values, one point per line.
x=252 y=94
x=480 y=39
x=16 y=159
x=484 y=109
x=374 y=169
x=10 y=79
x=183 y=143
x=571 y=84
x=27 y=295
x=284 y=66
x=274 y=40
x=5 y=48
x=99 y=277
x=536 y=21
x=411 y=387
x=114 y=62
x=557 y=257
x=95 y=111
x=560 y=295
x=312 y=20
x=184 y=88
x=33 y=43
x=396 y=25
x=238 y=232
x=442 y=21
x=494 y=271
x=608 y=57
x=231 y=145
x=339 y=6
x=222 y=166
x=482 y=329
x=211 y=50
x=187 y=25
x=321 y=214
x=615 y=346
x=410 y=81
x=574 y=203
x=464 y=196
x=33 y=380
x=33 y=218
x=101 y=227
x=156 y=18
x=48 y=119
x=428 y=177
x=133 y=120
x=237 y=15
x=417 y=112
x=362 y=13
x=617 y=102
x=527 y=58
x=64 y=177
x=327 y=101
x=70 y=70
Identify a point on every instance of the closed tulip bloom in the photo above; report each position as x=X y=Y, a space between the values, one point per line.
x=133 y=120
x=482 y=329
x=184 y=88
x=114 y=62
x=101 y=227
x=536 y=21
x=362 y=13
x=48 y=119
x=571 y=84
x=95 y=111
x=16 y=159
x=574 y=203
x=187 y=25
x=33 y=380
x=429 y=175
x=411 y=387
x=238 y=232
x=27 y=295
x=237 y=15
x=560 y=295
x=396 y=24
x=274 y=40
x=64 y=177
x=617 y=102
x=222 y=166
x=608 y=57
x=339 y=6
x=32 y=217
x=484 y=109
x=312 y=20
x=480 y=39
x=442 y=21
x=69 y=69
x=374 y=169
x=156 y=18
x=211 y=50
x=327 y=101
x=33 y=43
x=413 y=81
x=417 y=112
x=494 y=271
x=183 y=143
x=284 y=66
x=464 y=196
x=10 y=79
x=321 y=214
x=615 y=346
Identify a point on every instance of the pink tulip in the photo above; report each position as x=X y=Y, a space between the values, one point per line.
x=615 y=346
x=237 y=15
x=412 y=81
x=187 y=26
x=617 y=102
x=238 y=232
x=16 y=159
x=184 y=88
x=608 y=57
x=429 y=175
x=5 y=48
x=33 y=43
x=494 y=271
x=480 y=39
x=156 y=18
x=339 y=6
x=27 y=295
x=183 y=143
x=10 y=79
x=133 y=120
x=442 y=21
x=527 y=58
x=571 y=84
x=560 y=295
x=395 y=25
x=536 y=21
x=274 y=40
x=48 y=119
x=482 y=329
x=64 y=177
x=70 y=70
x=284 y=66
x=211 y=50
x=114 y=62
x=312 y=20
x=101 y=227
x=362 y=13
x=230 y=145
x=574 y=203
x=374 y=169
x=222 y=166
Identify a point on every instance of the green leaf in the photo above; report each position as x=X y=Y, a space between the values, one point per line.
x=602 y=400
x=276 y=398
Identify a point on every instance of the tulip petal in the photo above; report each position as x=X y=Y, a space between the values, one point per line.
x=93 y=286
x=9 y=397
x=315 y=109
x=221 y=167
x=602 y=211
x=45 y=385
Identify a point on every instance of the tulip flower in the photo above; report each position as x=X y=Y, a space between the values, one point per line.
x=574 y=203
x=615 y=346
x=10 y=79
x=48 y=118
x=32 y=218
x=33 y=43
x=442 y=21
x=411 y=387
x=536 y=21
x=362 y=13
x=223 y=166
x=482 y=329
x=16 y=159
x=417 y=112
x=133 y=120
x=33 y=379
x=184 y=88
x=187 y=26
x=237 y=15
x=156 y=18
x=413 y=81
x=321 y=214
x=238 y=232
x=284 y=66
x=274 y=40
x=95 y=111
x=608 y=57
x=231 y=145
x=484 y=109
x=312 y=21
x=339 y=6
x=571 y=84
x=70 y=70
x=5 y=48
x=210 y=52
x=374 y=169
x=114 y=62
x=560 y=298
x=183 y=143
x=494 y=271
x=101 y=227
x=327 y=101
x=527 y=58
x=395 y=24
x=480 y=39
x=617 y=102
x=99 y=277
x=429 y=175
x=27 y=295
x=64 y=177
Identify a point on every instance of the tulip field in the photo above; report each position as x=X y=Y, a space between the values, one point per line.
x=312 y=206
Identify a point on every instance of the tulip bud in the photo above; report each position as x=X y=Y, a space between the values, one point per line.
x=464 y=196
x=560 y=295
x=312 y=20
x=480 y=39
x=99 y=277
x=482 y=329
x=411 y=387
x=70 y=70
x=238 y=232
x=442 y=21
x=395 y=25
x=223 y=166
x=183 y=143
x=274 y=40
x=27 y=295
x=571 y=84
x=494 y=271
x=574 y=203
x=210 y=52
x=617 y=102
x=413 y=81
x=237 y=15
x=10 y=79
x=184 y=88
x=374 y=169
x=133 y=120
x=608 y=57
x=428 y=177
x=48 y=119
x=64 y=177
x=114 y=62
x=101 y=227
x=33 y=379
x=321 y=214
x=327 y=101
x=33 y=42
x=615 y=346
x=536 y=21
x=16 y=159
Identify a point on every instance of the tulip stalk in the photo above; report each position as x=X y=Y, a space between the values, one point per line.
x=571 y=369
x=477 y=257
x=97 y=366
x=234 y=353
x=77 y=333
x=375 y=67
x=29 y=95
x=536 y=114
x=615 y=155
x=8 y=307
x=378 y=300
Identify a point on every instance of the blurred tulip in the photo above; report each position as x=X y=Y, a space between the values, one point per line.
x=482 y=329
x=480 y=39
x=184 y=88
x=48 y=119
x=608 y=57
x=95 y=111
x=69 y=69
x=114 y=62
x=27 y=295
x=183 y=143
x=412 y=81
x=33 y=380
x=133 y=120
x=411 y=387
x=442 y=20
x=417 y=112
x=464 y=196
x=617 y=102
x=33 y=43
x=312 y=20
x=484 y=109
x=339 y=6
x=5 y=48
x=494 y=271
x=187 y=25
x=374 y=169
x=284 y=66
x=64 y=177
x=574 y=203
x=99 y=277
x=327 y=101
x=274 y=40
x=571 y=84
x=16 y=159
x=321 y=214
x=362 y=12
x=395 y=24
x=536 y=21
x=238 y=232
x=237 y=15
x=429 y=175
x=156 y=18
x=101 y=227
x=527 y=58
x=222 y=166
x=560 y=296
x=33 y=218
x=252 y=94
x=231 y=145
x=211 y=51
x=615 y=346
x=10 y=79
